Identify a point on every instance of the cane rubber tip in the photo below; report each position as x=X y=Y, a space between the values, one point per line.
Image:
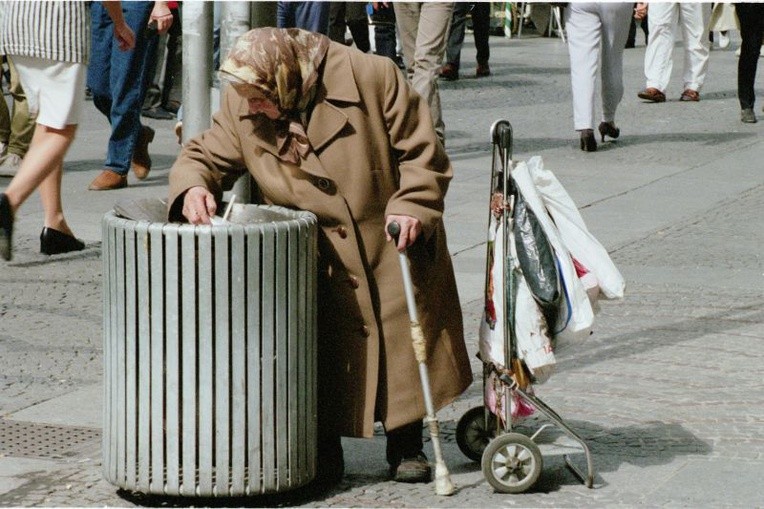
x=443 y=484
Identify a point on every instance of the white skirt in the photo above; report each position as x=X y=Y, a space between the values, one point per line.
x=55 y=90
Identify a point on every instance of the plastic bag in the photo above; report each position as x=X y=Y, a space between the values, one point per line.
x=536 y=259
x=575 y=313
x=573 y=233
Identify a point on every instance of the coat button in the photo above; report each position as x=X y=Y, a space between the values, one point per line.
x=366 y=331
x=323 y=184
x=354 y=281
x=342 y=232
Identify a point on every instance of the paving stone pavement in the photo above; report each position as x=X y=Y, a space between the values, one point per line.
x=667 y=392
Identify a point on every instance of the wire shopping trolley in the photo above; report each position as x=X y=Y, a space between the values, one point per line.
x=524 y=292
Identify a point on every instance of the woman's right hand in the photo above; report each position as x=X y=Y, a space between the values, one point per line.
x=199 y=205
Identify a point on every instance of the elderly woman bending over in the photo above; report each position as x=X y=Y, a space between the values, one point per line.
x=326 y=128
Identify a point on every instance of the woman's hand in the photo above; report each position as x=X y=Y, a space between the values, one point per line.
x=199 y=205
x=410 y=230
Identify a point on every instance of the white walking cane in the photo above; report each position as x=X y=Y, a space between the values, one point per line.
x=443 y=484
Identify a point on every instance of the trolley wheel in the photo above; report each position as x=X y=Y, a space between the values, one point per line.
x=472 y=436
x=512 y=463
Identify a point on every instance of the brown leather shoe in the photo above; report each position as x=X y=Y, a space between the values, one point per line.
x=653 y=95
x=449 y=72
x=108 y=180
x=690 y=95
x=482 y=70
x=141 y=163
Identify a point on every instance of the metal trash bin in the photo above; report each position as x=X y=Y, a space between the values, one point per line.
x=210 y=354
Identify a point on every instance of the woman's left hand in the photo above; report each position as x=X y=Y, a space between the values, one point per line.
x=410 y=230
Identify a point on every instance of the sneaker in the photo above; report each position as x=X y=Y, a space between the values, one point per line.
x=653 y=95
x=482 y=70
x=690 y=95
x=449 y=72
x=10 y=165
x=412 y=470
x=748 y=116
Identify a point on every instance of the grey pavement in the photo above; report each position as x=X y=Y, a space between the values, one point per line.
x=667 y=392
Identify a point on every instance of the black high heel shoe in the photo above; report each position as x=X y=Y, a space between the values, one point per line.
x=588 y=143
x=55 y=242
x=6 y=227
x=609 y=129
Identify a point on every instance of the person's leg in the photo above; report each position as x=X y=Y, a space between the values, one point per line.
x=614 y=17
x=456 y=34
x=337 y=25
x=285 y=14
x=170 y=96
x=5 y=127
x=22 y=126
x=99 y=67
x=155 y=63
x=384 y=31
x=583 y=29
x=481 y=27
x=127 y=89
x=358 y=23
x=693 y=20
x=312 y=16
x=432 y=34
x=407 y=20
x=631 y=38
x=404 y=454
x=660 y=44
x=750 y=17
x=45 y=157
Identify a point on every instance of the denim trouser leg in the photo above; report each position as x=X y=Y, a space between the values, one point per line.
x=456 y=33
x=118 y=79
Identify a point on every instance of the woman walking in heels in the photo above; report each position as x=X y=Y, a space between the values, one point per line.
x=597 y=34
x=49 y=42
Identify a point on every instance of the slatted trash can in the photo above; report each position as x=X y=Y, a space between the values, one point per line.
x=210 y=354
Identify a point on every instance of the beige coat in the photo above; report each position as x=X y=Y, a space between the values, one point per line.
x=375 y=154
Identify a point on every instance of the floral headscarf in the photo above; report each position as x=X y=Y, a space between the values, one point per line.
x=281 y=64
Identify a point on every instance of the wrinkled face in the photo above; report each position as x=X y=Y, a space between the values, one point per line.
x=258 y=103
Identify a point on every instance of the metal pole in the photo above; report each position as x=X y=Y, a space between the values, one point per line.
x=235 y=21
x=197 y=78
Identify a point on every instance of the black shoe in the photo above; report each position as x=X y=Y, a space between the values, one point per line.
x=609 y=129
x=157 y=113
x=55 y=242
x=412 y=470
x=588 y=143
x=6 y=227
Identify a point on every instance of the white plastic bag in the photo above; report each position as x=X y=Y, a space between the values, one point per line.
x=573 y=232
x=576 y=315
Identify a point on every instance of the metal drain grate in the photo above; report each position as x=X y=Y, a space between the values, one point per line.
x=33 y=440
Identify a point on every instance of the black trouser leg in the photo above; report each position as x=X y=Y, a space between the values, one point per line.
x=404 y=442
x=481 y=27
x=751 y=17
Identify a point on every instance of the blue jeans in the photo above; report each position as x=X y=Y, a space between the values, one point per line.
x=311 y=16
x=119 y=79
